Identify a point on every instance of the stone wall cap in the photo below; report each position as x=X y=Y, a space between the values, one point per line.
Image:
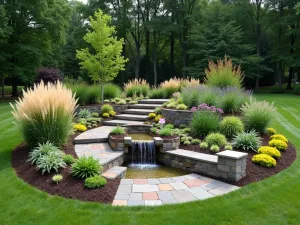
x=157 y=139
x=232 y=154
x=194 y=155
x=127 y=138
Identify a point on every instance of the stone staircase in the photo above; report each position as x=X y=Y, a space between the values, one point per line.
x=136 y=114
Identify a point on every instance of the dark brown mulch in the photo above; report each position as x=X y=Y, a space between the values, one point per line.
x=70 y=187
x=255 y=172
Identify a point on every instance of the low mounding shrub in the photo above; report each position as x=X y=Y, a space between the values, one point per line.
x=231 y=125
x=278 y=144
x=157 y=93
x=214 y=148
x=181 y=107
x=95 y=182
x=166 y=132
x=187 y=142
x=216 y=139
x=68 y=159
x=57 y=178
x=84 y=113
x=79 y=127
x=269 y=151
x=106 y=108
x=48 y=75
x=196 y=141
x=151 y=115
x=204 y=122
x=228 y=147
x=118 y=131
x=257 y=115
x=137 y=87
x=264 y=160
x=45 y=113
x=279 y=137
x=223 y=74
x=112 y=113
x=157 y=110
x=203 y=145
x=111 y=91
x=86 y=167
x=247 y=141
x=271 y=131
x=169 y=125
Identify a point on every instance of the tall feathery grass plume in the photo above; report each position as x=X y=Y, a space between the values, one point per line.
x=45 y=113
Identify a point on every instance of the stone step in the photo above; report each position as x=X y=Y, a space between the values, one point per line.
x=120 y=122
x=131 y=117
x=115 y=172
x=144 y=106
x=139 y=111
x=96 y=135
x=153 y=101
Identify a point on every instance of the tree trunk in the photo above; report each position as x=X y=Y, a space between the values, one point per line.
x=14 y=85
x=137 y=62
x=154 y=59
x=102 y=92
x=172 y=43
x=291 y=69
x=147 y=53
x=2 y=86
x=290 y=78
x=278 y=73
x=184 y=50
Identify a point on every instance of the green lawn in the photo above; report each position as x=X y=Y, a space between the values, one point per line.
x=275 y=200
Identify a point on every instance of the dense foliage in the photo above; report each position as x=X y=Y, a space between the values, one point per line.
x=85 y=167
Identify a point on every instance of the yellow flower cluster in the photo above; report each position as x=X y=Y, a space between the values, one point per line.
x=278 y=144
x=152 y=115
x=273 y=152
x=105 y=115
x=264 y=160
x=112 y=113
x=157 y=118
x=271 y=131
x=279 y=137
x=79 y=127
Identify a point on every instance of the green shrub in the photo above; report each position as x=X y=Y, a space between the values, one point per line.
x=216 y=139
x=166 y=132
x=171 y=126
x=84 y=113
x=95 y=182
x=111 y=91
x=231 y=125
x=186 y=130
x=57 y=178
x=41 y=150
x=122 y=102
x=106 y=108
x=95 y=114
x=157 y=93
x=106 y=101
x=223 y=74
x=247 y=141
x=80 y=91
x=278 y=144
x=133 y=102
x=204 y=122
x=182 y=126
x=118 y=131
x=264 y=160
x=68 y=159
x=296 y=90
x=186 y=142
x=172 y=105
x=195 y=141
x=231 y=102
x=203 y=145
x=157 y=110
x=181 y=107
x=86 y=167
x=214 y=148
x=154 y=130
x=50 y=161
x=228 y=147
x=94 y=94
x=45 y=113
x=273 y=152
x=258 y=115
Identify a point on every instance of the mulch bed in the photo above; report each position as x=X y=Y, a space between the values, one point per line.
x=256 y=172
x=70 y=187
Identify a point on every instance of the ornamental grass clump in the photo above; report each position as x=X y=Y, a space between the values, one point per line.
x=45 y=113
x=204 y=122
x=86 y=167
x=118 y=131
x=247 y=141
x=137 y=87
x=223 y=74
x=257 y=115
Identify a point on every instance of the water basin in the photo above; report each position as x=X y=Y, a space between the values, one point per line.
x=140 y=137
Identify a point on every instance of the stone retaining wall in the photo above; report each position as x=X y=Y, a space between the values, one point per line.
x=97 y=108
x=228 y=165
x=116 y=162
x=177 y=117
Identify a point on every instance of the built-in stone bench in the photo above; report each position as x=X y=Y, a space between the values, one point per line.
x=115 y=172
x=177 y=117
x=230 y=165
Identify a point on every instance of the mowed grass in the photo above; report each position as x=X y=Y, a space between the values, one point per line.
x=275 y=200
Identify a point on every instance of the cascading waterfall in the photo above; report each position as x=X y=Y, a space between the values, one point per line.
x=143 y=154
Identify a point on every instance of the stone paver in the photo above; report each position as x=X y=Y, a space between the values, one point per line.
x=97 y=135
x=154 y=192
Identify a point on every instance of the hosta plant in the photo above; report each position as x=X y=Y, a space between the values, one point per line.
x=57 y=178
x=51 y=161
x=248 y=141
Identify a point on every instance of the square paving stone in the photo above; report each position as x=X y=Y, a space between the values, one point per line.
x=178 y=179
x=153 y=181
x=200 y=193
x=193 y=176
x=183 y=196
x=124 y=189
x=222 y=190
x=121 y=197
x=166 y=180
x=127 y=181
x=165 y=187
x=140 y=181
x=136 y=196
x=144 y=188
x=150 y=196
x=195 y=182
x=135 y=202
x=179 y=186
x=153 y=202
x=165 y=195
x=169 y=201
x=210 y=186
x=119 y=202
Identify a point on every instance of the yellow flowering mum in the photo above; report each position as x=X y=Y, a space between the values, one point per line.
x=152 y=115
x=105 y=115
x=157 y=118
x=269 y=151
x=264 y=160
x=278 y=144
x=112 y=113
x=79 y=127
x=279 y=137
x=271 y=131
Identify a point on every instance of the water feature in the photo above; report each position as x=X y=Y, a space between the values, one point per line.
x=143 y=153
x=140 y=137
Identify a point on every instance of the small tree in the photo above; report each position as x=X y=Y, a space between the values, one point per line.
x=106 y=61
